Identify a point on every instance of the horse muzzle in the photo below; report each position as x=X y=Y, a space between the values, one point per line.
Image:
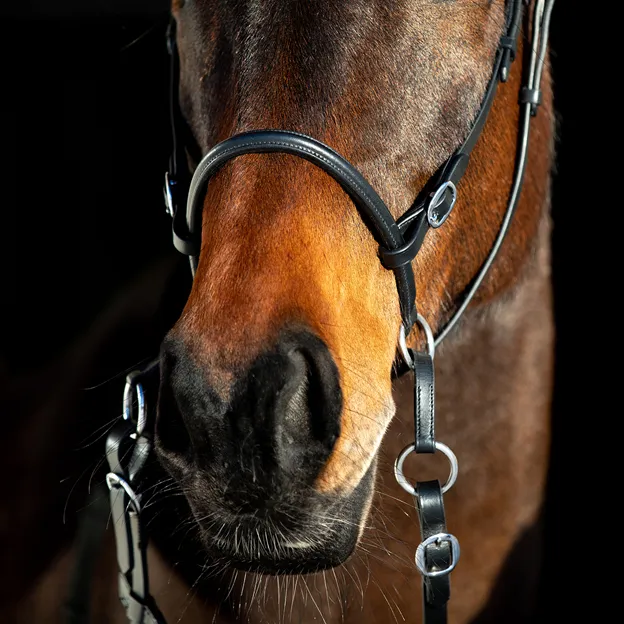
x=247 y=458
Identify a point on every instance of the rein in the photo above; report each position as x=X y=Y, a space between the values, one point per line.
x=130 y=443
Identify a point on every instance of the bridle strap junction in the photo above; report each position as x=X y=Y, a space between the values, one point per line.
x=399 y=242
x=187 y=238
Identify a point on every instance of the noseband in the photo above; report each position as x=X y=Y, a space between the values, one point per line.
x=399 y=242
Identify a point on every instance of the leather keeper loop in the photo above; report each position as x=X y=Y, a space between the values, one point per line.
x=405 y=254
x=183 y=240
x=511 y=44
x=424 y=403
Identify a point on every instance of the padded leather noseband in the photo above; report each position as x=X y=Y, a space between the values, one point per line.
x=375 y=213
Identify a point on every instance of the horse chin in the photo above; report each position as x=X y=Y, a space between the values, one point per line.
x=322 y=534
x=288 y=560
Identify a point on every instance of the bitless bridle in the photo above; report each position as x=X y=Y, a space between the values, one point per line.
x=399 y=242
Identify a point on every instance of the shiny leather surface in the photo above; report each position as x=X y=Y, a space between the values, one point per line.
x=424 y=403
x=437 y=590
x=372 y=208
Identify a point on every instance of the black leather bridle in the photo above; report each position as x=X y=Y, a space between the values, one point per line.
x=399 y=242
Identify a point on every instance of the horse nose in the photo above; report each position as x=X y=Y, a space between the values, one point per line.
x=278 y=420
x=294 y=394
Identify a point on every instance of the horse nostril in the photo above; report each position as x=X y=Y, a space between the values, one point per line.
x=174 y=399
x=307 y=419
x=279 y=420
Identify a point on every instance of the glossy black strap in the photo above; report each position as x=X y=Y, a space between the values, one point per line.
x=187 y=235
x=424 y=403
x=455 y=167
x=436 y=590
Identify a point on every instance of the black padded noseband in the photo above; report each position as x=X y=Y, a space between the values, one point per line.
x=375 y=213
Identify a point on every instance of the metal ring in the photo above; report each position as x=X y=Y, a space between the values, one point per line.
x=408 y=450
x=113 y=480
x=128 y=399
x=436 y=199
x=128 y=395
x=405 y=351
x=421 y=564
x=132 y=385
x=168 y=196
x=428 y=333
x=407 y=358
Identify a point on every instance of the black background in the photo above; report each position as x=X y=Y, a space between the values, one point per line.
x=85 y=136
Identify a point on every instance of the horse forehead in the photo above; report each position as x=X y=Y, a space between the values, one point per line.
x=317 y=35
x=307 y=56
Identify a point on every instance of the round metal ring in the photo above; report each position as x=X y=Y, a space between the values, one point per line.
x=408 y=450
x=113 y=480
x=128 y=397
x=435 y=221
x=142 y=416
x=421 y=563
x=128 y=400
x=428 y=334
x=405 y=351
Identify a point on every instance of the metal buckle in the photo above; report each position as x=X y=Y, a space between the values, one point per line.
x=408 y=450
x=437 y=539
x=435 y=218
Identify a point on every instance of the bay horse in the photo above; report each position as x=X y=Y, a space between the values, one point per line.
x=277 y=416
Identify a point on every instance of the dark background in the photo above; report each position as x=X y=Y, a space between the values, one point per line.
x=85 y=138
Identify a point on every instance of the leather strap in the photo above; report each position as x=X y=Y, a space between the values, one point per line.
x=187 y=237
x=436 y=590
x=424 y=403
x=415 y=231
x=127 y=449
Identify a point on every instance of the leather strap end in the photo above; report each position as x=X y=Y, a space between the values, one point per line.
x=394 y=259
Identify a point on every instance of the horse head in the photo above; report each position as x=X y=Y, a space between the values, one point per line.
x=276 y=380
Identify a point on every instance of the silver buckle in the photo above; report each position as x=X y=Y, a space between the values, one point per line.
x=437 y=539
x=433 y=216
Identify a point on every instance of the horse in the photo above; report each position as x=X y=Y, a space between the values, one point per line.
x=276 y=415
x=278 y=420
